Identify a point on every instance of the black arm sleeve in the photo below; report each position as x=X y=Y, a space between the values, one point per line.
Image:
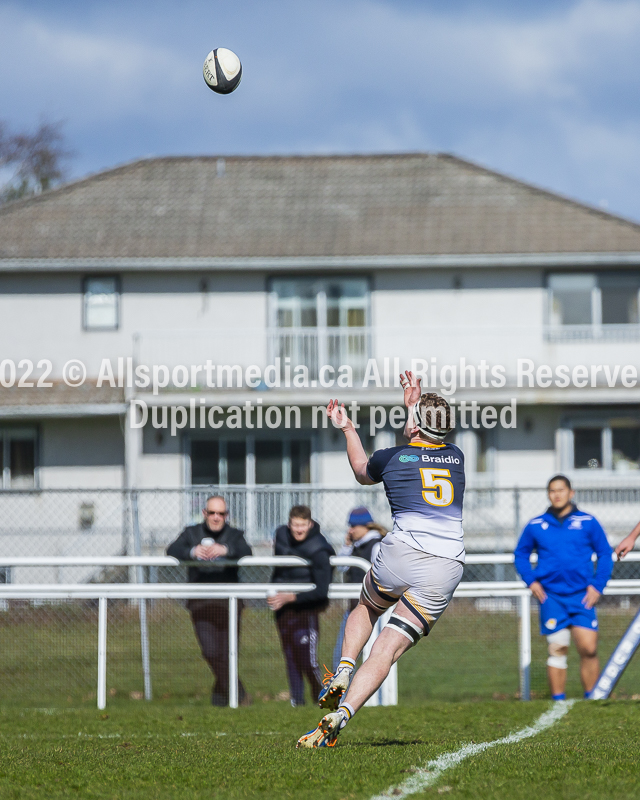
x=181 y=547
x=237 y=545
x=321 y=571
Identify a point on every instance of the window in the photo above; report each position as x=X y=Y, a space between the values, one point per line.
x=254 y=461
x=590 y=305
x=216 y=462
x=17 y=458
x=317 y=322
x=615 y=445
x=300 y=461
x=619 y=299
x=625 y=448
x=587 y=448
x=101 y=304
x=269 y=458
x=236 y=463
x=572 y=299
x=205 y=463
x=315 y=303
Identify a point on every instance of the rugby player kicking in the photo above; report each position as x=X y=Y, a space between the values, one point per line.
x=420 y=561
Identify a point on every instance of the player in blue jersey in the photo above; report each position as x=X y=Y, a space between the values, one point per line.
x=420 y=562
x=565 y=583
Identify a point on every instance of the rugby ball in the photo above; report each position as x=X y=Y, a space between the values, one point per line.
x=222 y=71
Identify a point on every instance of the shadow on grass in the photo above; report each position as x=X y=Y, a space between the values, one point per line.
x=388 y=743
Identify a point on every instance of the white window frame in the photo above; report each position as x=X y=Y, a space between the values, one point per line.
x=6 y=435
x=320 y=286
x=606 y=427
x=86 y=294
x=322 y=344
x=596 y=329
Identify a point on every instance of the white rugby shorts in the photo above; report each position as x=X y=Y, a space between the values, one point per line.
x=424 y=583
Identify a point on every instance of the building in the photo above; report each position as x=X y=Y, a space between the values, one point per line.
x=321 y=261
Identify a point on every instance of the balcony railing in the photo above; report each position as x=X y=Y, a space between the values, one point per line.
x=590 y=333
x=312 y=347
x=320 y=347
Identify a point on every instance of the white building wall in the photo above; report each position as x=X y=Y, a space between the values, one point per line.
x=41 y=317
x=82 y=453
x=492 y=314
x=495 y=315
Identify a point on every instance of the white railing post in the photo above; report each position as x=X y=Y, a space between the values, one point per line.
x=102 y=652
x=387 y=694
x=144 y=646
x=374 y=700
x=233 y=652
x=389 y=688
x=525 y=646
x=142 y=603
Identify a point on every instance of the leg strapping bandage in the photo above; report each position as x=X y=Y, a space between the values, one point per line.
x=558 y=646
x=411 y=630
x=374 y=596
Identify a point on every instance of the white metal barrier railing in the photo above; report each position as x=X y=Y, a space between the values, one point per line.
x=241 y=591
x=255 y=561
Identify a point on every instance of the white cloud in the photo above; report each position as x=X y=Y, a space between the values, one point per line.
x=457 y=56
x=87 y=72
x=550 y=96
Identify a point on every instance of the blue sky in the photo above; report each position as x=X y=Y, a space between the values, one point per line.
x=545 y=91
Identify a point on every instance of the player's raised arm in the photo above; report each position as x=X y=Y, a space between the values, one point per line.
x=412 y=388
x=355 y=451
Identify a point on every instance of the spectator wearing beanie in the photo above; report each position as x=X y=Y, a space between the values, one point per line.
x=363 y=541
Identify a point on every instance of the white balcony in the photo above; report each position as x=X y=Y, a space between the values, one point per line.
x=312 y=347
x=318 y=347
x=592 y=333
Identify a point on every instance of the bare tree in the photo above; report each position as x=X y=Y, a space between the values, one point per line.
x=38 y=159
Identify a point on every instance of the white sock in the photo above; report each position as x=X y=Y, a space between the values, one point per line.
x=347 y=712
x=346 y=663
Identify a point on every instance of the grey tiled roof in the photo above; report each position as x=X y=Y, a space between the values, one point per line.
x=412 y=204
x=60 y=394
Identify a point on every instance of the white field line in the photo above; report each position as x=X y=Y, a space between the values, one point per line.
x=429 y=774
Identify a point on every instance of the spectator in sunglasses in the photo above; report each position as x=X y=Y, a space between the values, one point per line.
x=211 y=540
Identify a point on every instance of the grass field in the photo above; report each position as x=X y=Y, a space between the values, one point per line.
x=179 y=747
x=160 y=751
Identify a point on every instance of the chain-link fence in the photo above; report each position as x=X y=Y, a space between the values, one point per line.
x=48 y=646
x=48 y=653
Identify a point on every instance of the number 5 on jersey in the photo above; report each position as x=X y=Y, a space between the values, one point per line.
x=438 y=491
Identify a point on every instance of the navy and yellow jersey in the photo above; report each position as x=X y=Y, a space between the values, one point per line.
x=425 y=488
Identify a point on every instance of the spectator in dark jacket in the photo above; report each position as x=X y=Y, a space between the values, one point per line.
x=297 y=614
x=362 y=541
x=212 y=539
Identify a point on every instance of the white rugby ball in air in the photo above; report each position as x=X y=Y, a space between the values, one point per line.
x=222 y=71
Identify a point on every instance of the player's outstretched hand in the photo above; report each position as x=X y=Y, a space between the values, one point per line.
x=625 y=546
x=412 y=388
x=338 y=415
x=591 y=597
